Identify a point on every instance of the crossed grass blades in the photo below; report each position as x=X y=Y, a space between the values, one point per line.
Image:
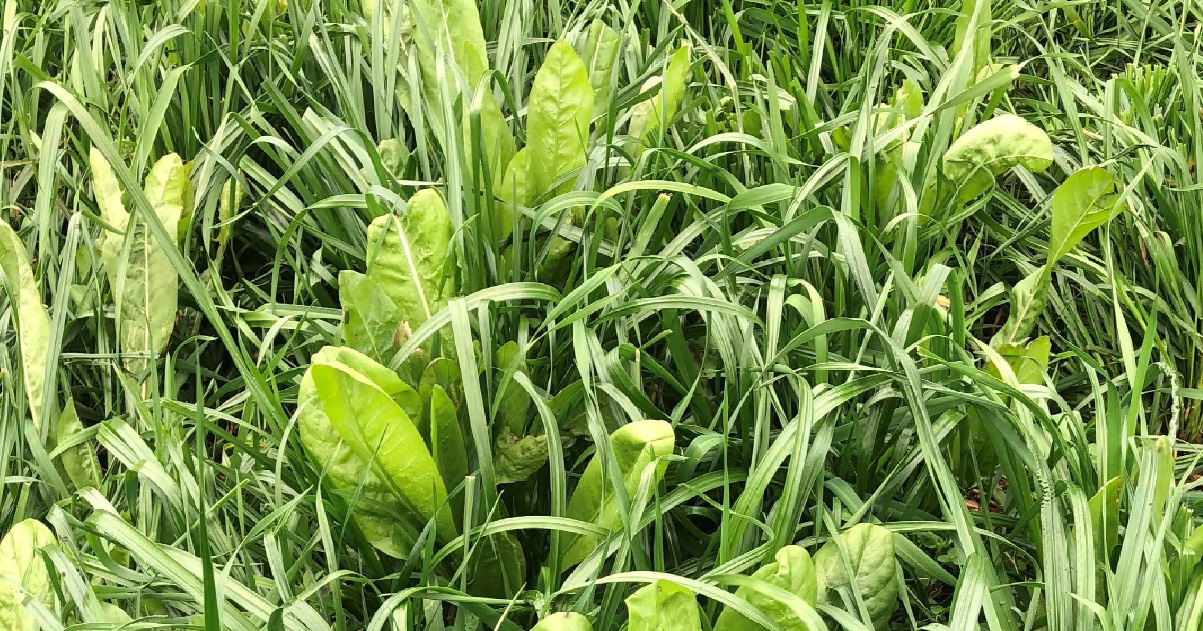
x=435 y=314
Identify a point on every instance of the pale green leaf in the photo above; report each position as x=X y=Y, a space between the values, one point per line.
x=346 y=472
x=407 y=255
x=21 y=563
x=370 y=318
x=870 y=554
x=519 y=458
x=564 y=621
x=646 y=116
x=635 y=446
x=663 y=606
x=599 y=53
x=557 y=120
x=793 y=571
x=1088 y=199
x=379 y=432
x=991 y=147
x=32 y=320
x=79 y=461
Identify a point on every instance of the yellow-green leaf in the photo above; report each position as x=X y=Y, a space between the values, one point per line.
x=32 y=320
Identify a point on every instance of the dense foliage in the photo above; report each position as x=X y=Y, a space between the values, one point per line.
x=584 y=316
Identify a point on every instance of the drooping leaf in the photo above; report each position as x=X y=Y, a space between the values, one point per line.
x=379 y=432
x=635 y=446
x=792 y=571
x=32 y=320
x=557 y=121
x=991 y=147
x=21 y=563
x=870 y=551
x=564 y=621
x=407 y=254
x=663 y=606
x=370 y=318
x=647 y=116
x=519 y=458
x=1088 y=199
x=599 y=53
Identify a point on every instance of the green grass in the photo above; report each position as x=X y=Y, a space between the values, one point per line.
x=778 y=268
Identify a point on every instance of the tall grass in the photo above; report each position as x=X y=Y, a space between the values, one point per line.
x=763 y=274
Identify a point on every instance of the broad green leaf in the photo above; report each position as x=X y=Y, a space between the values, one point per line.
x=663 y=606
x=343 y=469
x=599 y=53
x=1086 y=200
x=107 y=191
x=792 y=571
x=646 y=116
x=870 y=551
x=21 y=563
x=991 y=147
x=32 y=320
x=557 y=132
x=1028 y=361
x=499 y=567
x=407 y=254
x=394 y=155
x=115 y=614
x=1104 y=516
x=450 y=30
x=168 y=184
x=142 y=279
x=906 y=104
x=519 y=458
x=379 y=432
x=516 y=402
x=564 y=621
x=1164 y=459
x=557 y=119
x=372 y=9
x=635 y=446
x=513 y=192
x=446 y=439
x=1028 y=298
x=979 y=38
x=443 y=373
x=78 y=462
x=370 y=318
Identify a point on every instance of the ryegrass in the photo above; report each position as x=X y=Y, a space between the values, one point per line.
x=821 y=350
